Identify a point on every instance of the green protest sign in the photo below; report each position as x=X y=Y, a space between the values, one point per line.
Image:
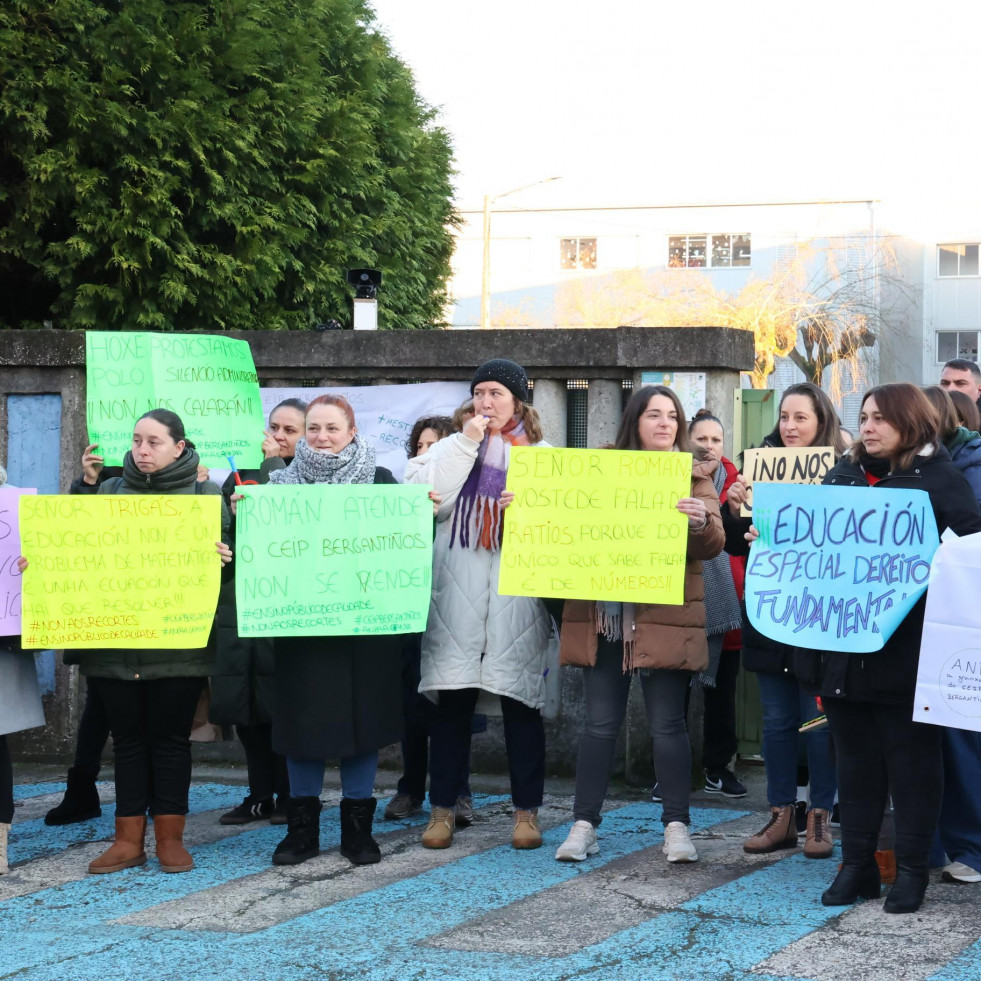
x=208 y=380
x=328 y=559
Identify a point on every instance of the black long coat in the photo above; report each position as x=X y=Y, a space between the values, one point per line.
x=338 y=696
x=242 y=681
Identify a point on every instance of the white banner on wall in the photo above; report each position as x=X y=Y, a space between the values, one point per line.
x=948 y=682
x=385 y=414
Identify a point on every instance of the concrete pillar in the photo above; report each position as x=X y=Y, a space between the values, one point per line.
x=719 y=388
x=603 y=404
x=551 y=402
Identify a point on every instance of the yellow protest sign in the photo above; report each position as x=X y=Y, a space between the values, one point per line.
x=596 y=524
x=108 y=571
x=784 y=465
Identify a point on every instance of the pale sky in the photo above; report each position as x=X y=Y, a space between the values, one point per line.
x=641 y=101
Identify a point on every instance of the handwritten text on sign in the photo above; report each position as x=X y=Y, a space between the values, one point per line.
x=837 y=568
x=209 y=381
x=596 y=524
x=784 y=465
x=323 y=560
x=126 y=571
x=10 y=578
x=948 y=680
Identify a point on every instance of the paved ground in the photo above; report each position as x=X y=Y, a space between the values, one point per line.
x=479 y=911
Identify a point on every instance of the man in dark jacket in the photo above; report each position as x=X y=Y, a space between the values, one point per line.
x=964 y=376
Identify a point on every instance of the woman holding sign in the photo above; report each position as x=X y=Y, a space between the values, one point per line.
x=868 y=698
x=807 y=418
x=335 y=697
x=477 y=640
x=150 y=695
x=662 y=645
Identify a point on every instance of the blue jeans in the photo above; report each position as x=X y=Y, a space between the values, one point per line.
x=357 y=776
x=607 y=689
x=785 y=709
x=960 y=818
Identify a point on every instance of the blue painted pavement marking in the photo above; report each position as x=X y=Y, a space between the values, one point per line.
x=27 y=790
x=382 y=934
x=966 y=966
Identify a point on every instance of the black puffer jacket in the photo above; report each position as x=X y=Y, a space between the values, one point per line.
x=889 y=675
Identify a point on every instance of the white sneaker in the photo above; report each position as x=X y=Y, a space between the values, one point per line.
x=580 y=843
x=959 y=872
x=677 y=843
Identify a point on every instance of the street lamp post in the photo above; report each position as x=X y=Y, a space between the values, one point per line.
x=485 y=278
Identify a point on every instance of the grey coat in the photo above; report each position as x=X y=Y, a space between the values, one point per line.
x=20 y=698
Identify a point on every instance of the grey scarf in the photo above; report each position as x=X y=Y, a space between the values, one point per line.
x=355 y=464
x=722 y=612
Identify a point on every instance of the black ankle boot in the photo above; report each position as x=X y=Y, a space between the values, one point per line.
x=302 y=840
x=357 y=844
x=906 y=894
x=80 y=803
x=853 y=881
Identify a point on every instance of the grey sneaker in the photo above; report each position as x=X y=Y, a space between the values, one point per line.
x=464 y=812
x=580 y=843
x=401 y=806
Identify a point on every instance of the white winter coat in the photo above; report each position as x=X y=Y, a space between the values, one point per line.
x=475 y=638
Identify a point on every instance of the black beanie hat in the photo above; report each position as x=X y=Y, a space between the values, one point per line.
x=512 y=376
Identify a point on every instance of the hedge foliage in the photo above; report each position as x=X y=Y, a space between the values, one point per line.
x=218 y=164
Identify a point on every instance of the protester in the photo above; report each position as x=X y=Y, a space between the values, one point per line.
x=806 y=418
x=869 y=699
x=241 y=684
x=724 y=576
x=662 y=646
x=960 y=814
x=81 y=798
x=477 y=640
x=20 y=708
x=963 y=376
x=417 y=710
x=150 y=695
x=966 y=409
x=337 y=696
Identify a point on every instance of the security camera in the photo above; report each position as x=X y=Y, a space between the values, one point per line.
x=365 y=282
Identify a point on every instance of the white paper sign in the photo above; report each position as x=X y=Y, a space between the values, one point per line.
x=948 y=682
x=385 y=414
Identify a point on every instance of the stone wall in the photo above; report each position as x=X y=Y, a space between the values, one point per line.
x=53 y=362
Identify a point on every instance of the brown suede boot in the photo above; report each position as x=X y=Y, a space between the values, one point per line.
x=780 y=832
x=818 y=843
x=127 y=850
x=168 y=829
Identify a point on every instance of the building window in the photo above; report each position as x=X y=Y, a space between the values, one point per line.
x=957 y=260
x=957 y=344
x=715 y=251
x=577 y=253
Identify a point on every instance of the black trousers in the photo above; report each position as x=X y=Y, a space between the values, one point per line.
x=719 y=730
x=267 y=769
x=6 y=783
x=93 y=733
x=879 y=748
x=449 y=748
x=151 y=727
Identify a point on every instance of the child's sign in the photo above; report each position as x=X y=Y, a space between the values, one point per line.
x=784 y=465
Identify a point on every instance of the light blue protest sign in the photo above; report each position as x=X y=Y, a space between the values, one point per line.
x=837 y=568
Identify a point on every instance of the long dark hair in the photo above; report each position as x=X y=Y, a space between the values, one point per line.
x=172 y=422
x=911 y=414
x=966 y=409
x=829 y=425
x=946 y=411
x=627 y=435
